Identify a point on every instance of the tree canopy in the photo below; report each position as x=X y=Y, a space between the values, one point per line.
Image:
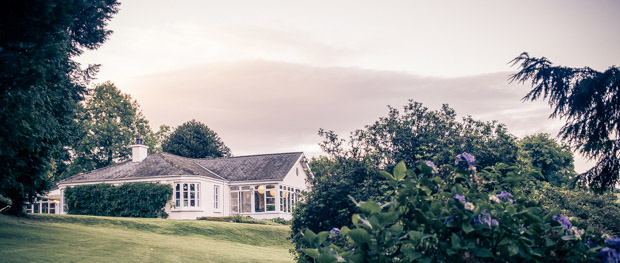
x=543 y=153
x=194 y=139
x=589 y=101
x=109 y=122
x=41 y=85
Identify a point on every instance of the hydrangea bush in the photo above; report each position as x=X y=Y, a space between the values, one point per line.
x=455 y=218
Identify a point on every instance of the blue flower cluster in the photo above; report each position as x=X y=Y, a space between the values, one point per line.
x=465 y=160
x=432 y=166
x=563 y=220
x=460 y=198
x=334 y=231
x=609 y=255
x=485 y=218
x=505 y=196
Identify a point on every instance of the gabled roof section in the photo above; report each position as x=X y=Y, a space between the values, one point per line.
x=156 y=164
x=253 y=167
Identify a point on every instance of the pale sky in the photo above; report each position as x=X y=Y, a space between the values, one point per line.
x=266 y=75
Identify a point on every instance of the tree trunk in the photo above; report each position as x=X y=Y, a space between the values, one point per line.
x=17 y=207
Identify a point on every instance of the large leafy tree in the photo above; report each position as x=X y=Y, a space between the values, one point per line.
x=553 y=160
x=41 y=85
x=109 y=122
x=589 y=101
x=194 y=139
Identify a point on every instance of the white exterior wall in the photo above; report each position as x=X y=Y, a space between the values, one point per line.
x=206 y=198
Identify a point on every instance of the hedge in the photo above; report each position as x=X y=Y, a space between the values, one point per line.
x=126 y=200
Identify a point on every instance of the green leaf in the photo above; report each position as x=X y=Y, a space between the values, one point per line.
x=400 y=171
x=455 y=241
x=483 y=253
x=311 y=252
x=468 y=228
x=359 y=236
x=387 y=175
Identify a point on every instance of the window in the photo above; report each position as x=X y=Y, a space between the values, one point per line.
x=187 y=195
x=240 y=199
x=216 y=196
x=289 y=197
x=42 y=206
x=264 y=198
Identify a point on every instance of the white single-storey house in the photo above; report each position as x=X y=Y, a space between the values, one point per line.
x=260 y=186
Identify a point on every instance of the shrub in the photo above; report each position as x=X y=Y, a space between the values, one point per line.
x=126 y=200
x=454 y=219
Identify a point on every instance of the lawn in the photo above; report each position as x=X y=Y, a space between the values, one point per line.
x=69 y=238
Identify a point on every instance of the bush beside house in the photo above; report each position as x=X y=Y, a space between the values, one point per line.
x=127 y=200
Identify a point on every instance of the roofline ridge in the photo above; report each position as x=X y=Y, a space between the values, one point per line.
x=207 y=169
x=92 y=171
x=251 y=155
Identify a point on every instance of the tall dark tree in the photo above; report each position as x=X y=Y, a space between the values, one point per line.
x=109 y=122
x=194 y=139
x=41 y=85
x=589 y=101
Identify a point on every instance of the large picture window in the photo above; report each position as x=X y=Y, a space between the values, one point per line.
x=187 y=195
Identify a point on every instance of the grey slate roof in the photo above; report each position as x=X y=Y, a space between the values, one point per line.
x=254 y=167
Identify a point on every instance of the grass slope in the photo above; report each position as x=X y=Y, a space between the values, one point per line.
x=69 y=238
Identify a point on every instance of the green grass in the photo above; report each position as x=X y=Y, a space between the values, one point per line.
x=69 y=238
x=618 y=199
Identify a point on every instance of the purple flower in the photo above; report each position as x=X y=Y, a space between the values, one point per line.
x=563 y=220
x=590 y=242
x=609 y=255
x=334 y=231
x=505 y=196
x=485 y=218
x=460 y=198
x=465 y=160
x=431 y=165
x=613 y=242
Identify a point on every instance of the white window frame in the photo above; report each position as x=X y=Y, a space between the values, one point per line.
x=43 y=206
x=216 y=197
x=182 y=197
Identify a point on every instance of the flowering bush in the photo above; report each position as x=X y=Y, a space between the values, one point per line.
x=453 y=219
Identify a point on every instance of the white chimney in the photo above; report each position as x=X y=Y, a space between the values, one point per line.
x=138 y=151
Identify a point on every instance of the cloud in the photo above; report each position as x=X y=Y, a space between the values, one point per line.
x=262 y=106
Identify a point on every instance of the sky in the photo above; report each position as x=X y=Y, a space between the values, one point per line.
x=266 y=75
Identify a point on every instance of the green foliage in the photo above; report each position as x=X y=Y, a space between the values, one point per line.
x=194 y=139
x=422 y=134
x=109 y=122
x=588 y=100
x=431 y=219
x=586 y=208
x=412 y=135
x=41 y=85
x=126 y=200
x=554 y=161
x=327 y=205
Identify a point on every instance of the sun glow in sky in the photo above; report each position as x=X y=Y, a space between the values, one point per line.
x=266 y=75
